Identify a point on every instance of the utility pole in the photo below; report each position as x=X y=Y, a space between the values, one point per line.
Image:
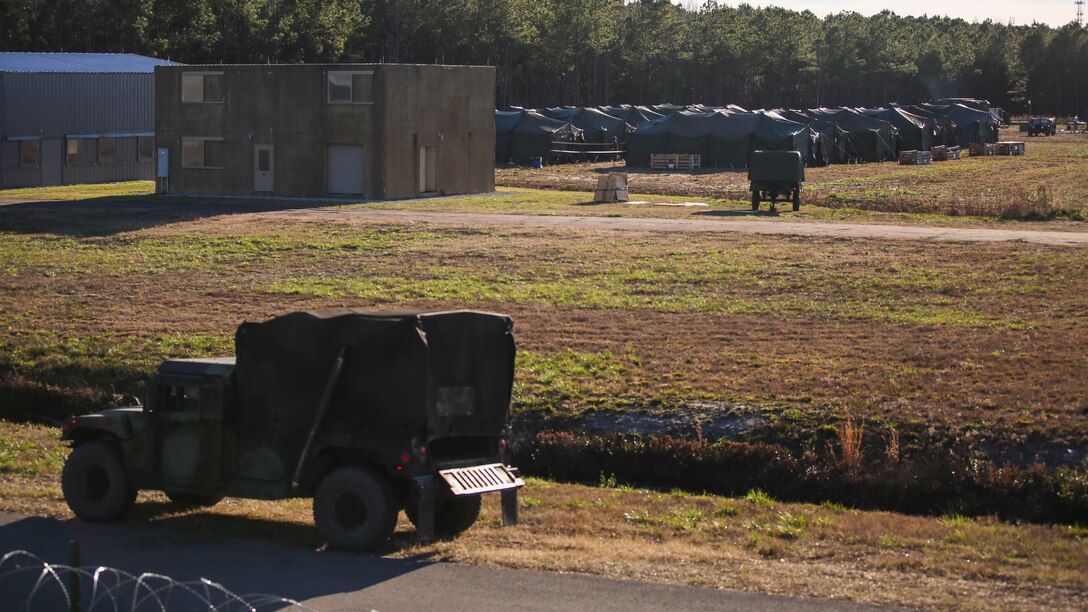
x=1080 y=12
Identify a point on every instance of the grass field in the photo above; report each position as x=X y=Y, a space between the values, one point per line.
x=982 y=337
x=971 y=351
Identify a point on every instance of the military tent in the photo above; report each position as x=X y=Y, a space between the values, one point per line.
x=971 y=125
x=632 y=115
x=531 y=136
x=832 y=137
x=916 y=133
x=866 y=139
x=597 y=126
x=979 y=105
x=724 y=139
x=945 y=131
x=505 y=122
x=666 y=109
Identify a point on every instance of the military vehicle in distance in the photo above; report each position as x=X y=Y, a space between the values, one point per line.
x=366 y=412
x=775 y=174
x=1041 y=126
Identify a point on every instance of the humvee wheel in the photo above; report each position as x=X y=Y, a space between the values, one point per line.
x=95 y=484
x=193 y=500
x=452 y=515
x=755 y=200
x=354 y=509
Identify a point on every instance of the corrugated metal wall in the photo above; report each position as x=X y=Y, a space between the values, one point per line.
x=52 y=105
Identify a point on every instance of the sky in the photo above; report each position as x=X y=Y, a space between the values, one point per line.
x=1021 y=12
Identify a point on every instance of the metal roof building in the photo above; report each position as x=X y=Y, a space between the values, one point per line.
x=70 y=118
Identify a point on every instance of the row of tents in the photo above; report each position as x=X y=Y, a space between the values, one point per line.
x=726 y=136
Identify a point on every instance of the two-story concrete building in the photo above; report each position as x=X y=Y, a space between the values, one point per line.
x=375 y=131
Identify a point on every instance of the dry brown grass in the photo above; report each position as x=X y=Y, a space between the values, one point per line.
x=851 y=437
x=761 y=545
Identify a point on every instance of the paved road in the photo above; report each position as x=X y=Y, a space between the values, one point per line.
x=340 y=581
x=151 y=213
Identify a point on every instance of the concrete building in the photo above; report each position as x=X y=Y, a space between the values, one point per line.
x=375 y=131
x=76 y=118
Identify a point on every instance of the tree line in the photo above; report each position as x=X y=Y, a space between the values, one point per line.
x=591 y=52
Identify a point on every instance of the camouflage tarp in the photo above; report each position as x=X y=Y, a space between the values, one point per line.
x=420 y=375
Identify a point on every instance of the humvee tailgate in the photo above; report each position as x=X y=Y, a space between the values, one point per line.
x=480 y=479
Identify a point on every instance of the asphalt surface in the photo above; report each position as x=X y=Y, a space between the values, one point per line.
x=324 y=580
x=142 y=214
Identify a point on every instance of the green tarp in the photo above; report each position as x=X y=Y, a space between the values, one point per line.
x=411 y=374
x=724 y=139
x=866 y=139
x=522 y=135
x=596 y=126
x=916 y=133
x=971 y=125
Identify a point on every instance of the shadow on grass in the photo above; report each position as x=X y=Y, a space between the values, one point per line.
x=739 y=213
x=109 y=215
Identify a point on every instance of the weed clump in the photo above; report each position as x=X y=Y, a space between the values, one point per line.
x=938 y=480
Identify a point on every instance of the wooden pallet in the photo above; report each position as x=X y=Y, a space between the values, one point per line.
x=915 y=158
x=1010 y=147
x=943 y=153
x=675 y=161
x=983 y=149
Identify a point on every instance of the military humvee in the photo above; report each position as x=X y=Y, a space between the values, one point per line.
x=1042 y=126
x=366 y=412
x=775 y=174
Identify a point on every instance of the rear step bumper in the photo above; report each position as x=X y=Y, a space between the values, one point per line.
x=481 y=479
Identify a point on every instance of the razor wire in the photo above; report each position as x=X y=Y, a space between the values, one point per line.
x=29 y=584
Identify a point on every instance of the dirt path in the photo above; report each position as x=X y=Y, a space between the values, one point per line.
x=747 y=226
x=711 y=224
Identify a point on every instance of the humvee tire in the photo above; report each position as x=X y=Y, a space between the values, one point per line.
x=95 y=484
x=755 y=200
x=354 y=509
x=193 y=500
x=452 y=515
x=797 y=199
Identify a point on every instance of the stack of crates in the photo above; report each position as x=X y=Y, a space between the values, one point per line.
x=915 y=158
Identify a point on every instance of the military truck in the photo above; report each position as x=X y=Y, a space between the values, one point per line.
x=366 y=412
x=1041 y=126
x=775 y=174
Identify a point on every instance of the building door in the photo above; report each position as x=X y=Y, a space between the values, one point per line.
x=426 y=170
x=51 y=160
x=262 y=168
x=344 y=169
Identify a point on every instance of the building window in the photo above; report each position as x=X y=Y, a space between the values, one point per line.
x=350 y=87
x=202 y=87
x=202 y=153
x=81 y=150
x=28 y=153
x=107 y=150
x=146 y=146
